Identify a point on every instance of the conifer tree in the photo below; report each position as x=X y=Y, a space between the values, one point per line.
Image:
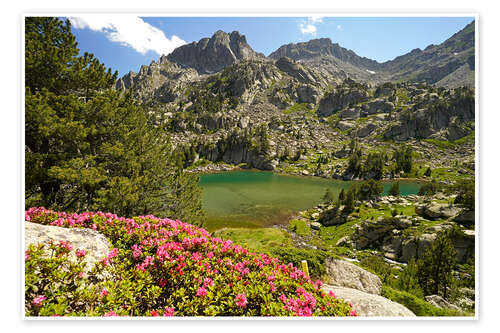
x=394 y=189
x=328 y=197
x=435 y=268
x=87 y=147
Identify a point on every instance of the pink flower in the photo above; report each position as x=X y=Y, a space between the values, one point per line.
x=80 y=253
x=66 y=245
x=332 y=294
x=169 y=312
x=208 y=282
x=137 y=251
x=104 y=292
x=111 y=314
x=113 y=253
x=241 y=300
x=38 y=300
x=353 y=313
x=201 y=292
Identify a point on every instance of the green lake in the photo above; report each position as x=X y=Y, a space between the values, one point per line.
x=254 y=199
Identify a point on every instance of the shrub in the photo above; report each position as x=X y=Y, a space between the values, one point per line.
x=328 y=197
x=378 y=266
x=394 y=190
x=300 y=227
x=429 y=188
x=466 y=193
x=370 y=189
x=315 y=258
x=417 y=305
x=167 y=267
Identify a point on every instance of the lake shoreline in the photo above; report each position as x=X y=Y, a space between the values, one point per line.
x=267 y=198
x=228 y=168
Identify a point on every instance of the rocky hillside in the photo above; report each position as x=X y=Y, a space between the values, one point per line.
x=449 y=64
x=296 y=110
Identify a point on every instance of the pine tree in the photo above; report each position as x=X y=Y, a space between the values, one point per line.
x=407 y=279
x=341 y=195
x=370 y=189
x=87 y=147
x=394 y=190
x=328 y=197
x=435 y=268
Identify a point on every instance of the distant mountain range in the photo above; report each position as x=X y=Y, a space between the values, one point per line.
x=448 y=64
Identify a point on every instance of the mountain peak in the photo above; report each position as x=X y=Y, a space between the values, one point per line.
x=322 y=47
x=213 y=54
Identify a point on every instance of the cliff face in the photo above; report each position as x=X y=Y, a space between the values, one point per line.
x=210 y=55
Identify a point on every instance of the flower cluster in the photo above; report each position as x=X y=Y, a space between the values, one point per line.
x=167 y=267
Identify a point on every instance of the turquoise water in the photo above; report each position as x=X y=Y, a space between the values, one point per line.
x=257 y=198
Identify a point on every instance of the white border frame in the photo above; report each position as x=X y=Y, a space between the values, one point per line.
x=249 y=13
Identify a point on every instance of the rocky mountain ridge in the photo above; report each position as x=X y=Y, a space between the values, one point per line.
x=449 y=64
x=210 y=55
x=254 y=107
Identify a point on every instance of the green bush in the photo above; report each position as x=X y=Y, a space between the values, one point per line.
x=167 y=267
x=300 y=227
x=429 y=188
x=315 y=258
x=418 y=305
x=394 y=190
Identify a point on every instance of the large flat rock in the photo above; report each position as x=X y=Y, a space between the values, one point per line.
x=369 y=305
x=95 y=244
x=344 y=274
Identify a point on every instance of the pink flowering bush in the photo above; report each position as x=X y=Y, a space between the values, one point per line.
x=162 y=267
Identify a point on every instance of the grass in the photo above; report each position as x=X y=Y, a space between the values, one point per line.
x=443 y=174
x=260 y=239
x=216 y=223
x=470 y=138
x=300 y=227
x=297 y=107
x=329 y=236
x=419 y=306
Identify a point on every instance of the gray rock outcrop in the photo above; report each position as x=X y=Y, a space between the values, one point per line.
x=94 y=243
x=369 y=305
x=436 y=210
x=340 y=99
x=210 y=55
x=344 y=274
x=440 y=302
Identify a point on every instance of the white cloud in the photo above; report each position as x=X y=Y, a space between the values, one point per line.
x=307 y=29
x=129 y=30
x=316 y=19
x=339 y=27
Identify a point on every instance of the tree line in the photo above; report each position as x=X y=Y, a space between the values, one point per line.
x=86 y=146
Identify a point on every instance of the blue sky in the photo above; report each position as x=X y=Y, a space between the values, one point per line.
x=125 y=42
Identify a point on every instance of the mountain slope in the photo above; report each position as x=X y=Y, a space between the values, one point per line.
x=210 y=55
x=449 y=64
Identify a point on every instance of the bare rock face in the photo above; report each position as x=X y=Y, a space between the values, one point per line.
x=345 y=274
x=440 y=302
x=436 y=210
x=96 y=246
x=210 y=55
x=369 y=305
x=340 y=99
